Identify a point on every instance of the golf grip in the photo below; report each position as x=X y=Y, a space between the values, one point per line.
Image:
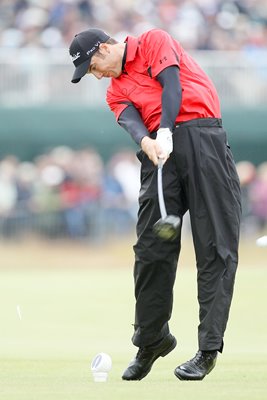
x=162 y=207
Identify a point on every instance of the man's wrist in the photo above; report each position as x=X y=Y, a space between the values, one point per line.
x=142 y=138
x=164 y=130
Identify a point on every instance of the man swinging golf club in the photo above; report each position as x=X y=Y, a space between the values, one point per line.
x=170 y=107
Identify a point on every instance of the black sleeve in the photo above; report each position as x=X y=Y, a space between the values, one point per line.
x=171 y=97
x=131 y=121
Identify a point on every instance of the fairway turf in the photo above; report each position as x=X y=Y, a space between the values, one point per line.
x=76 y=302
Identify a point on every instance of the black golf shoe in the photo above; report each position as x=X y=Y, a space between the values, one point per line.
x=146 y=356
x=197 y=368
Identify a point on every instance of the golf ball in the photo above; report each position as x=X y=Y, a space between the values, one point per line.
x=262 y=241
x=100 y=367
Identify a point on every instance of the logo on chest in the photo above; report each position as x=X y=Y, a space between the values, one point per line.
x=161 y=61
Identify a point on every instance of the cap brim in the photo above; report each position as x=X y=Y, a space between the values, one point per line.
x=80 y=71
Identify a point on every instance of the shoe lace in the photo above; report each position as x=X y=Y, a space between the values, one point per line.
x=143 y=352
x=198 y=357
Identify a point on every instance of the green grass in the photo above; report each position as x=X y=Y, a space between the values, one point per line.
x=71 y=314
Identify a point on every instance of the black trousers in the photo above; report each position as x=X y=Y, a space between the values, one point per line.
x=199 y=176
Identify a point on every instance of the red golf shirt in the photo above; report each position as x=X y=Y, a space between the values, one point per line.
x=146 y=57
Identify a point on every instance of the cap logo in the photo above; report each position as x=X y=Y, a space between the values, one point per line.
x=93 y=48
x=75 y=57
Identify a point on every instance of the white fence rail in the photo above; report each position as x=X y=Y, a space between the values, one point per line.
x=38 y=77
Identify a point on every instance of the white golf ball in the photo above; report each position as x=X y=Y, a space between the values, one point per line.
x=262 y=241
x=100 y=367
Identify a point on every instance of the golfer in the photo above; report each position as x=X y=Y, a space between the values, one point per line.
x=171 y=109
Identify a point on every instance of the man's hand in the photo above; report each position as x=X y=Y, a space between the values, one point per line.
x=164 y=139
x=161 y=147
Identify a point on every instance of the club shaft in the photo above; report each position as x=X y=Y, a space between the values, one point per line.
x=162 y=207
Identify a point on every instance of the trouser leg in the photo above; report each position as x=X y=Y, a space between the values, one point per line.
x=214 y=205
x=155 y=259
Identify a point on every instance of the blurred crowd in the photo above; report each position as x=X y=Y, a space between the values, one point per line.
x=253 y=181
x=67 y=193
x=74 y=194
x=198 y=24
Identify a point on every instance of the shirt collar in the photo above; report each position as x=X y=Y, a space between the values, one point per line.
x=132 y=44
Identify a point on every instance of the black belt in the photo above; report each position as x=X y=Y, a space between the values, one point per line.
x=195 y=122
x=201 y=122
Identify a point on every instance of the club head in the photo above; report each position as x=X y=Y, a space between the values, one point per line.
x=167 y=228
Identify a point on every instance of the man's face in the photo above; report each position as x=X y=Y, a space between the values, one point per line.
x=106 y=63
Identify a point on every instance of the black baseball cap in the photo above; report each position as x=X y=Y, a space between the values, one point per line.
x=82 y=48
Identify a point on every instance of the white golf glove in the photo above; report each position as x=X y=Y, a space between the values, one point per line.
x=164 y=139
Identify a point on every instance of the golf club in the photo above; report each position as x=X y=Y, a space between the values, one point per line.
x=167 y=227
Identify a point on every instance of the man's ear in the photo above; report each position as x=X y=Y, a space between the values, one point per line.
x=104 y=47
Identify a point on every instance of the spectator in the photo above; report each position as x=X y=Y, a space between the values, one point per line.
x=258 y=197
x=126 y=171
x=247 y=172
x=121 y=185
x=81 y=191
x=8 y=188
